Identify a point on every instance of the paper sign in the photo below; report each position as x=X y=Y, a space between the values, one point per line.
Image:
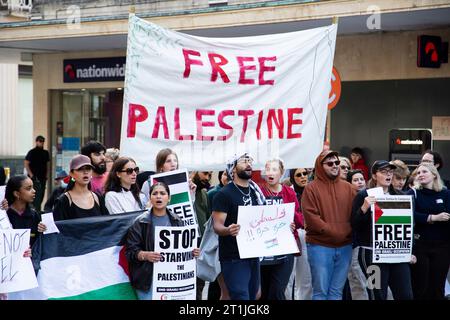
x=16 y=272
x=174 y=277
x=375 y=192
x=265 y=230
x=47 y=219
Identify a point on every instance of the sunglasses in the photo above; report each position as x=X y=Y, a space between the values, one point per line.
x=130 y=170
x=330 y=163
x=301 y=174
x=345 y=167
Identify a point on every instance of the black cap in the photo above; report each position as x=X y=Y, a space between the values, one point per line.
x=381 y=164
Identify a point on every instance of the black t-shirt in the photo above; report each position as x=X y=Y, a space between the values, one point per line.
x=28 y=220
x=227 y=200
x=38 y=158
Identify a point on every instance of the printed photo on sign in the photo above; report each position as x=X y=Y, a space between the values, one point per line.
x=174 y=276
x=392 y=229
x=180 y=196
x=266 y=231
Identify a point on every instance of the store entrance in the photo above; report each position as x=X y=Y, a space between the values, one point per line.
x=78 y=116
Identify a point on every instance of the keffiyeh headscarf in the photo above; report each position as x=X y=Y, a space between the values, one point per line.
x=231 y=164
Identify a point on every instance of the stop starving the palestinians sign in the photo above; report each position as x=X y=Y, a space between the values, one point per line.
x=392 y=229
x=211 y=98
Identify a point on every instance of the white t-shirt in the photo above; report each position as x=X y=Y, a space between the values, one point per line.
x=120 y=202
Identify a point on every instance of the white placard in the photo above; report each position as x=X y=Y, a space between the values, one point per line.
x=174 y=277
x=266 y=231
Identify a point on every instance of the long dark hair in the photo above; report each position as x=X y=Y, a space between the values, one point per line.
x=297 y=188
x=14 y=184
x=113 y=181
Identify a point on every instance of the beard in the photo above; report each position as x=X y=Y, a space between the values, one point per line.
x=244 y=175
x=99 y=168
x=201 y=184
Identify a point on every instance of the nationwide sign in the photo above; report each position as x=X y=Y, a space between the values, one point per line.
x=94 y=70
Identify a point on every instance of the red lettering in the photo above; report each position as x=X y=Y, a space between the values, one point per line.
x=199 y=113
x=160 y=120
x=188 y=61
x=136 y=113
x=292 y=122
x=245 y=114
x=243 y=68
x=176 y=120
x=279 y=122
x=222 y=124
x=263 y=68
x=258 y=126
x=216 y=67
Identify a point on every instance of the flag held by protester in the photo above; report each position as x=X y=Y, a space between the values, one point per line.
x=85 y=261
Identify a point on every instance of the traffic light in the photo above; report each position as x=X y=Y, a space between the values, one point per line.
x=431 y=51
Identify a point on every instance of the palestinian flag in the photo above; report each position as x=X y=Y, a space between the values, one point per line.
x=85 y=261
x=178 y=185
x=393 y=212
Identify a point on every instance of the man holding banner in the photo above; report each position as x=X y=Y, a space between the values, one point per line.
x=242 y=276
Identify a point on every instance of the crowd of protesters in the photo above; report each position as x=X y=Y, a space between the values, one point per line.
x=332 y=220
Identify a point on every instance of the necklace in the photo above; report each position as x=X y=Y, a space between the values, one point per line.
x=246 y=198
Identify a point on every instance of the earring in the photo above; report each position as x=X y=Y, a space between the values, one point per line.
x=72 y=179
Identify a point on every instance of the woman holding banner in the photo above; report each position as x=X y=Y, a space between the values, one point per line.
x=396 y=276
x=122 y=192
x=431 y=234
x=276 y=270
x=139 y=242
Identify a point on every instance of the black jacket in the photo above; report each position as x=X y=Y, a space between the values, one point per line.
x=141 y=236
x=362 y=222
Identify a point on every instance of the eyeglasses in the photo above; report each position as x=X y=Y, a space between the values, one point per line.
x=345 y=167
x=301 y=174
x=130 y=170
x=330 y=163
x=386 y=171
x=427 y=161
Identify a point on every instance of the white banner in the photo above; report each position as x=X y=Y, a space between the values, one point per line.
x=392 y=229
x=174 y=277
x=16 y=272
x=210 y=98
x=265 y=230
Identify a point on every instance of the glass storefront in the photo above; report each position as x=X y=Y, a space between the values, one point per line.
x=78 y=116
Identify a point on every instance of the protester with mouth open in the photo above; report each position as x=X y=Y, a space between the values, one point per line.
x=140 y=240
x=79 y=201
x=276 y=270
x=396 y=276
